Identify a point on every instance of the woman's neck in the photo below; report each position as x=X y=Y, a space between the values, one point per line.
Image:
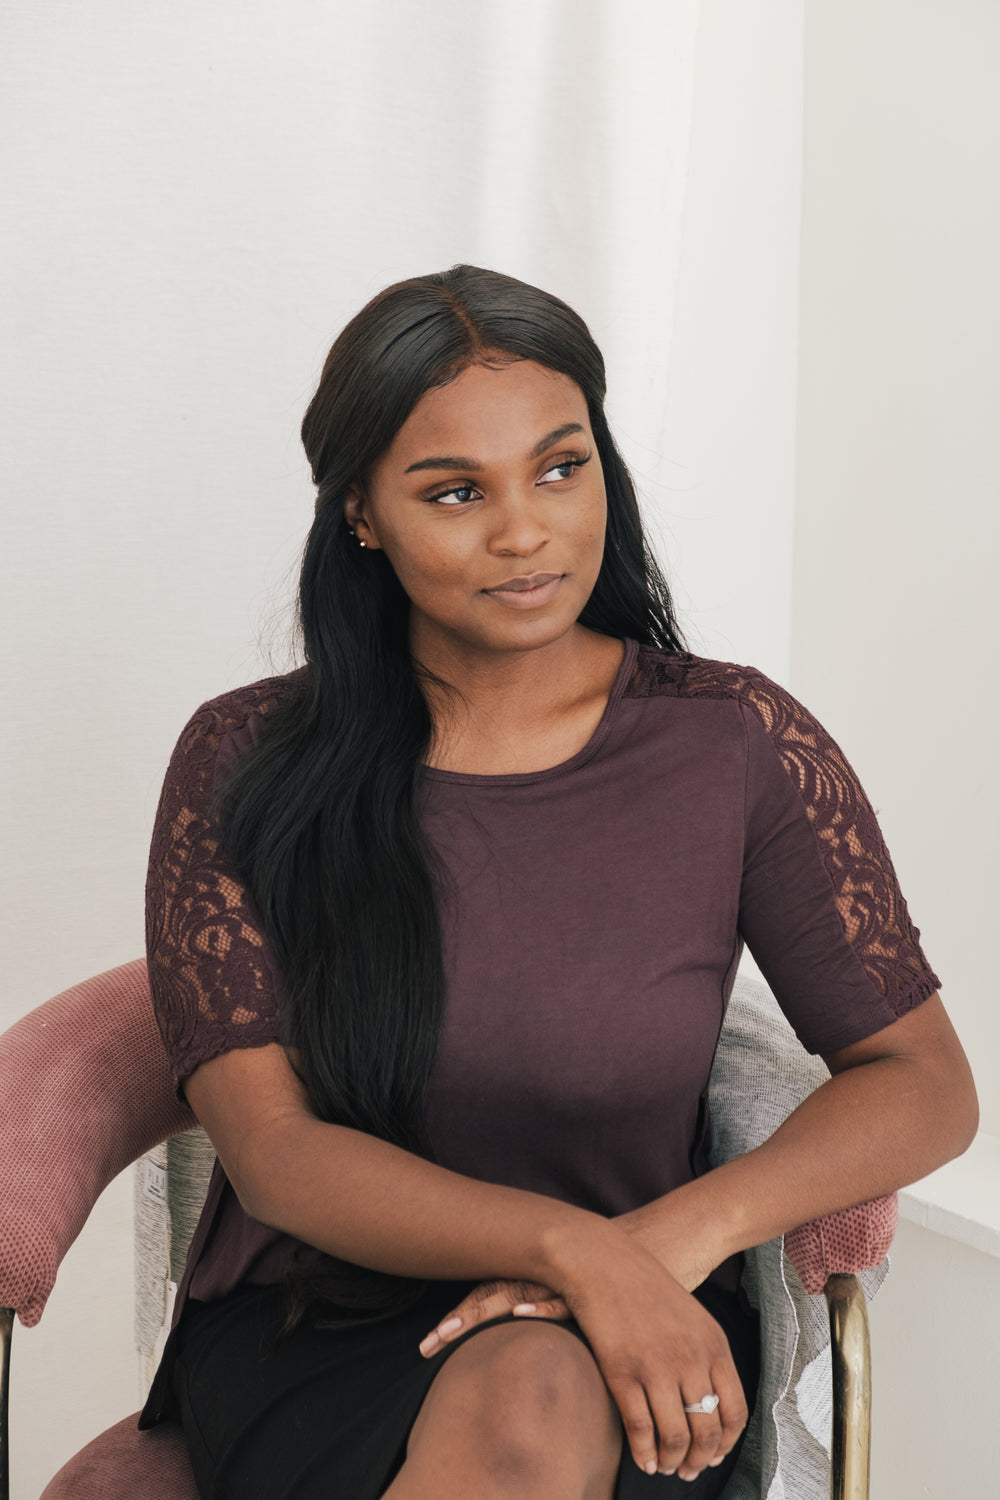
x=518 y=712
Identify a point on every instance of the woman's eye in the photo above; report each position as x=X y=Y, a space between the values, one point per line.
x=460 y=495
x=565 y=469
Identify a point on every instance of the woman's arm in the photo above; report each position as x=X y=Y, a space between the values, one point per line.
x=900 y=1103
x=360 y=1198
x=822 y=913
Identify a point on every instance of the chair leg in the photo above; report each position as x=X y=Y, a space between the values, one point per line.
x=6 y=1331
x=852 y=1388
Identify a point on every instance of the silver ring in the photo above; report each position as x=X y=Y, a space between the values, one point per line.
x=707 y=1404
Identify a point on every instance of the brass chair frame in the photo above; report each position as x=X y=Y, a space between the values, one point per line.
x=6 y=1332
x=850 y=1348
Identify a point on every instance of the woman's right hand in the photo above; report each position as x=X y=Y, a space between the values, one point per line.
x=658 y=1350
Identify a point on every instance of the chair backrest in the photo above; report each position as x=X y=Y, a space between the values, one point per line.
x=171 y=1184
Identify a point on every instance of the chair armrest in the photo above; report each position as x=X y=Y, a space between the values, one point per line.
x=843 y=1243
x=85 y=1089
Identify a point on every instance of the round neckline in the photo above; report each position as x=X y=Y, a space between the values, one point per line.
x=549 y=773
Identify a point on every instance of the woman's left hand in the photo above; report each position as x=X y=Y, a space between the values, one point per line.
x=684 y=1253
x=495 y=1299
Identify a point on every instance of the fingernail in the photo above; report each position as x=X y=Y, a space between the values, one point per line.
x=668 y=1472
x=526 y=1307
x=713 y=1463
x=452 y=1325
x=429 y=1344
x=650 y=1468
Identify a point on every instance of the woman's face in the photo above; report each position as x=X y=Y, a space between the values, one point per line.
x=490 y=505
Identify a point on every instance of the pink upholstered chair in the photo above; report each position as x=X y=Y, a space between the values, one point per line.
x=85 y=1090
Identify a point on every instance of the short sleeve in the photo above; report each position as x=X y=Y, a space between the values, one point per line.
x=213 y=978
x=820 y=906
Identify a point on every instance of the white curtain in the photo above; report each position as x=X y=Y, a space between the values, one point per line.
x=200 y=195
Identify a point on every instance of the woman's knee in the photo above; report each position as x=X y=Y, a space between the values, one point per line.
x=526 y=1393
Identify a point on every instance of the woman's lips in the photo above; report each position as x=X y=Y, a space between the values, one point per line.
x=527 y=593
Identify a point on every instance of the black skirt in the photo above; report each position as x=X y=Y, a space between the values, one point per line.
x=326 y=1413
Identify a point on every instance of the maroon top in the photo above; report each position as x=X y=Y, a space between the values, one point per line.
x=593 y=915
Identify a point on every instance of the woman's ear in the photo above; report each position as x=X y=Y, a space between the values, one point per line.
x=355 y=515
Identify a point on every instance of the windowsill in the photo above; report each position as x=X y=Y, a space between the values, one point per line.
x=962 y=1199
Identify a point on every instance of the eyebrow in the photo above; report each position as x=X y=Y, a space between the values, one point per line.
x=450 y=461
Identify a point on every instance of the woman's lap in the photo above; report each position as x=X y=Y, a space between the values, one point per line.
x=327 y=1412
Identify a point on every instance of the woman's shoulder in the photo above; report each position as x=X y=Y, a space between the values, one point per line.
x=763 y=703
x=244 y=708
x=221 y=728
x=661 y=673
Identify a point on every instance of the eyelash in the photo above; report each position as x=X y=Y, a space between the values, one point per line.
x=574 y=462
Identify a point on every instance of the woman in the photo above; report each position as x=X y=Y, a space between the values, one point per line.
x=441 y=929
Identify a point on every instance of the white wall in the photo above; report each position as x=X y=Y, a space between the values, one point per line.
x=200 y=195
x=935 y=1372
x=897 y=520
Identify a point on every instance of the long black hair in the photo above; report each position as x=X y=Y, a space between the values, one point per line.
x=321 y=818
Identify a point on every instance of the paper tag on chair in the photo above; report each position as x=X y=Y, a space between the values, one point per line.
x=154 y=1181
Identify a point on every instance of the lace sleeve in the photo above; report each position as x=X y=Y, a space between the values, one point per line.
x=822 y=909
x=212 y=976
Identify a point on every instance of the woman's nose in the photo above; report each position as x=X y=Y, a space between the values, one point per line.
x=519 y=526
